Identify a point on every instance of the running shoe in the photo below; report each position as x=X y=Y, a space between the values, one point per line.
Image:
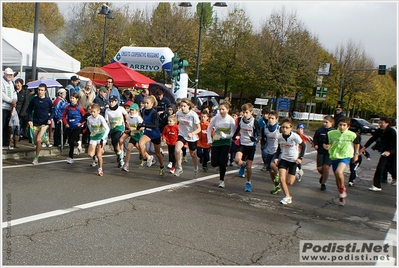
x=95 y=161
x=323 y=187
x=276 y=189
x=205 y=169
x=150 y=158
x=196 y=173
x=172 y=170
x=35 y=161
x=170 y=165
x=241 y=172
x=342 y=192
x=375 y=189
x=248 y=187
x=341 y=201
x=143 y=164
x=79 y=147
x=185 y=159
x=100 y=172
x=286 y=200
x=69 y=160
x=178 y=171
x=350 y=183
x=125 y=168
x=161 y=172
x=221 y=184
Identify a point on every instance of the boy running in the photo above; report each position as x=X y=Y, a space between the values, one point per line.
x=203 y=148
x=300 y=130
x=169 y=135
x=99 y=130
x=339 y=144
x=249 y=130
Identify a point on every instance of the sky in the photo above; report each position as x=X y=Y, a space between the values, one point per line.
x=372 y=25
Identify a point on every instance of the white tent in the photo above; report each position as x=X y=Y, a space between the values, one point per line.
x=17 y=49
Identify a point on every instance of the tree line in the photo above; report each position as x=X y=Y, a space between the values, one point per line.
x=281 y=57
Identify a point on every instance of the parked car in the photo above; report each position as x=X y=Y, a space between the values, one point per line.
x=360 y=126
x=375 y=121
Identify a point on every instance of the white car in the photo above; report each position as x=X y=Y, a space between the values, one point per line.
x=375 y=121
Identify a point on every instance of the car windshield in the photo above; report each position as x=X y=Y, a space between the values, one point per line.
x=363 y=122
x=375 y=120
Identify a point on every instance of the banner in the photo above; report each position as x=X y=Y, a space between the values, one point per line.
x=145 y=59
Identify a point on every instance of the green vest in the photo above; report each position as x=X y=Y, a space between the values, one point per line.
x=341 y=144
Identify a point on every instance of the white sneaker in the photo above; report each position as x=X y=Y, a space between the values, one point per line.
x=178 y=171
x=169 y=165
x=35 y=161
x=150 y=158
x=125 y=168
x=44 y=145
x=95 y=162
x=70 y=160
x=286 y=200
x=221 y=184
x=79 y=147
x=375 y=189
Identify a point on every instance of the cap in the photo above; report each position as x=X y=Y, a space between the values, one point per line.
x=134 y=106
x=126 y=91
x=8 y=71
x=61 y=90
x=104 y=89
x=300 y=125
x=113 y=98
x=74 y=78
x=128 y=103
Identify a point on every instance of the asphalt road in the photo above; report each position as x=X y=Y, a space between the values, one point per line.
x=60 y=214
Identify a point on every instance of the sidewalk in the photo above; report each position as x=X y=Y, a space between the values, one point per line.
x=26 y=150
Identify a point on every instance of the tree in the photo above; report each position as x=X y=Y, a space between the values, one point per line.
x=51 y=21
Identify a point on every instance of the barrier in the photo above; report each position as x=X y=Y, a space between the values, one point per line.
x=306 y=116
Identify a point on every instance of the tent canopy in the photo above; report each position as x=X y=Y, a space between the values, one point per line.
x=125 y=77
x=17 y=52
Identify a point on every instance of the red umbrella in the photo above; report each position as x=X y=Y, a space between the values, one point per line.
x=125 y=77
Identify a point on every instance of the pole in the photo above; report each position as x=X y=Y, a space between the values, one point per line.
x=198 y=54
x=35 y=41
x=105 y=34
x=310 y=110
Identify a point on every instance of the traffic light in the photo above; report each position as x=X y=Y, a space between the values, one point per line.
x=382 y=69
x=175 y=70
x=182 y=63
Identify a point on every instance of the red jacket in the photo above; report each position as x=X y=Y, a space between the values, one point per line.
x=203 y=139
x=170 y=134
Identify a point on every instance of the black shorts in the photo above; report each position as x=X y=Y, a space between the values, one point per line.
x=115 y=136
x=290 y=166
x=192 y=145
x=248 y=152
x=323 y=159
x=156 y=141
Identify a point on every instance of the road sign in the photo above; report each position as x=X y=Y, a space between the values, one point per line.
x=311 y=104
x=283 y=104
x=271 y=100
x=321 y=93
x=260 y=101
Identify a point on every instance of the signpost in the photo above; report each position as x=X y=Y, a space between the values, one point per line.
x=283 y=104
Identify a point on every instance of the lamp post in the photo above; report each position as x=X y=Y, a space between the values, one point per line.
x=107 y=15
x=188 y=4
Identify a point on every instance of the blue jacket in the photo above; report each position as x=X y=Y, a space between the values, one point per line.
x=59 y=109
x=40 y=111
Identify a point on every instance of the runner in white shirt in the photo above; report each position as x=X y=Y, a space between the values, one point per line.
x=289 y=143
x=189 y=127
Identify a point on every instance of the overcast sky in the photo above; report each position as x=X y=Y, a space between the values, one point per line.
x=371 y=25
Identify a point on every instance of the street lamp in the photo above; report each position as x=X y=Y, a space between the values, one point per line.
x=107 y=15
x=188 y=4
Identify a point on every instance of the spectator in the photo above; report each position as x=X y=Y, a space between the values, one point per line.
x=86 y=98
x=72 y=88
x=40 y=112
x=9 y=102
x=21 y=106
x=339 y=112
x=112 y=90
x=126 y=96
x=102 y=100
x=140 y=97
x=162 y=101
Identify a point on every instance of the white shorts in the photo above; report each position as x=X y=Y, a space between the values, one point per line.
x=97 y=142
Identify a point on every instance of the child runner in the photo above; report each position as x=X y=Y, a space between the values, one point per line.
x=151 y=134
x=73 y=119
x=116 y=117
x=300 y=130
x=169 y=135
x=40 y=112
x=133 y=120
x=224 y=126
x=269 y=140
x=249 y=130
x=342 y=144
x=289 y=144
x=236 y=143
x=170 y=110
x=99 y=130
x=189 y=127
x=203 y=148
x=323 y=162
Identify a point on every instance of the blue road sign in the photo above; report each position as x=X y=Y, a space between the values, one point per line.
x=283 y=104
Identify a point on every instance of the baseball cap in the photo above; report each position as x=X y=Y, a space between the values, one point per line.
x=300 y=125
x=8 y=71
x=134 y=106
x=128 y=103
x=61 y=90
x=103 y=89
x=113 y=98
x=74 y=78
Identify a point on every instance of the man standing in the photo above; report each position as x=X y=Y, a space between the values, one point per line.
x=140 y=97
x=87 y=95
x=102 y=100
x=339 y=112
x=21 y=106
x=112 y=90
x=9 y=102
x=387 y=136
x=73 y=87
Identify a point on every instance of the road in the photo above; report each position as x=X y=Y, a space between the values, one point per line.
x=60 y=214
